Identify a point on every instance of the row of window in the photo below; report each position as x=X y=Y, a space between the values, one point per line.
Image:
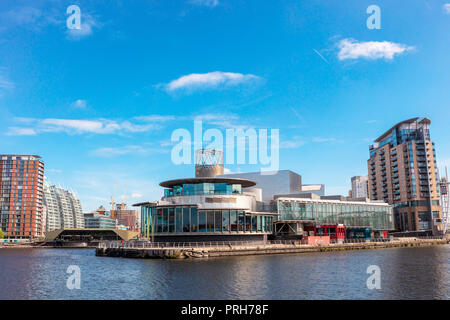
x=189 y=219
x=376 y=217
x=203 y=188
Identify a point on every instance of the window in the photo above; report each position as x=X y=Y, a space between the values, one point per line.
x=233 y=220
x=186 y=220
x=202 y=221
x=225 y=221
x=254 y=224
x=210 y=221
x=241 y=221
x=248 y=223
x=171 y=219
x=220 y=188
x=236 y=188
x=194 y=219
x=218 y=221
x=178 y=220
x=159 y=220
x=165 y=220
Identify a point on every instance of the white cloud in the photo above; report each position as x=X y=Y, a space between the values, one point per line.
x=206 y=3
x=293 y=143
x=118 y=151
x=109 y=152
x=226 y=121
x=5 y=83
x=155 y=118
x=352 y=49
x=33 y=18
x=21 y=16
x=87 y=25
x=446 y=8
x=16 y=131
x=227 y=171
x=320 y=139
x=76 y=126
x=79 y=104
x=209 y=80
x=135 y=195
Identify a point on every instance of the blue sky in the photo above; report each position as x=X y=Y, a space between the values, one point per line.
x=100 y=104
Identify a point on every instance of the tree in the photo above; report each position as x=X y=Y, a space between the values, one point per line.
x=1 y=234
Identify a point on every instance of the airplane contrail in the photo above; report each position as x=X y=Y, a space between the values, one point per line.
x=320 y=55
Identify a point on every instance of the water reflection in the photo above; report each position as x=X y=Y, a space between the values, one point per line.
x=407 y=273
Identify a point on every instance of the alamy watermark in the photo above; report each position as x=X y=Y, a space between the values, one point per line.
x=374 y=20
x=74 y=280
x=252 y=142
x=374 y=281
x=74 y=20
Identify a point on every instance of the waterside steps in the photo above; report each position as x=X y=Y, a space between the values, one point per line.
x=157 y=250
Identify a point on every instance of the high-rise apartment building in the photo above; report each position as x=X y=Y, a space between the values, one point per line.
x=21 y=188
x=360 y=187
x=62 y=208
x=403 y=172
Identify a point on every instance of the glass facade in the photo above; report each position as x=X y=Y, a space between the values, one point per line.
x=189 y=219
x=375 y=217
x=98 y=221
x=188 y=189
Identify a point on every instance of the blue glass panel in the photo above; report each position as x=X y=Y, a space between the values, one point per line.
x=202 y=221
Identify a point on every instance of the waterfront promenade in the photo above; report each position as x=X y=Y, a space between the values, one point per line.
x=149 y=250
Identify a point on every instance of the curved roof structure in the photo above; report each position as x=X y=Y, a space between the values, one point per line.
x=96 y=233
x=178 y=182
x=409 y=121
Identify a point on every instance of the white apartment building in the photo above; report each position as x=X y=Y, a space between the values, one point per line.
x=62 y=208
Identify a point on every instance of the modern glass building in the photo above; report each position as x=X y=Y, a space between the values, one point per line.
x=205 y=208
x=99 y=221
x=352 y=214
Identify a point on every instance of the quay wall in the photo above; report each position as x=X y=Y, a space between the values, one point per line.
x=257 y=249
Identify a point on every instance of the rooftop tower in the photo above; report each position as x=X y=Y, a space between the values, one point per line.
x=208 y=163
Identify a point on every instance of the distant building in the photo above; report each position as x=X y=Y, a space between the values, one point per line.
x=318 y=189
x=360 y=187
x=62 y=208
x=126 y=217
x=403 y=172
x=281 y=182
x=51 y=208
x=102 y=210
x=21 y=190
x=99 y=221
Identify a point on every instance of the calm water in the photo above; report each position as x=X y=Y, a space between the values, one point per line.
x=407 y=273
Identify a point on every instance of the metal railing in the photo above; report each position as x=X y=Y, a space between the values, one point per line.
x=139 y=244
